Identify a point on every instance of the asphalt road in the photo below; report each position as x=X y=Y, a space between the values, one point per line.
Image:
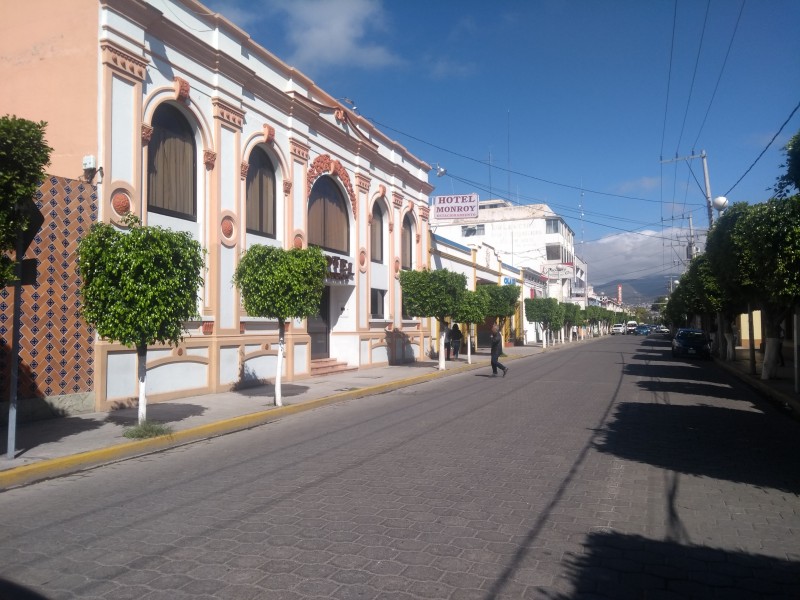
x=601 y=470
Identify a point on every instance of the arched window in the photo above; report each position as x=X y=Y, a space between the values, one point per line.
x=172 y=165
x=407 y=244
x=376 y=234
x=260 y=194
x=328 y=225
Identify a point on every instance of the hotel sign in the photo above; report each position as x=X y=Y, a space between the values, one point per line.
x=455 y=207
x=339 y=270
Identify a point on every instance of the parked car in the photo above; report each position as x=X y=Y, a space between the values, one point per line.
x=691 y=342
x=662 y=329
x=642 y=330
x=617 y=328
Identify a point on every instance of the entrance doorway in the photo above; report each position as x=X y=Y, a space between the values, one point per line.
x=319 y=328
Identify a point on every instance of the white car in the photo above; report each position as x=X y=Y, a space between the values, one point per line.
x=617 y=328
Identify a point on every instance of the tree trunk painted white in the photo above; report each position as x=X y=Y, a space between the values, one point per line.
x=278 y=397
x=770 y=367
x=441 y=348
x=469 y=347
x=141 y=367
x=544 y=338
x=730 y=348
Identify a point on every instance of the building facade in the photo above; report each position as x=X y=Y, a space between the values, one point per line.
x=531 y=236
x=168 y=110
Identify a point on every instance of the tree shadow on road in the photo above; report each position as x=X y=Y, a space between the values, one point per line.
x=745 y=446
x=616 y=565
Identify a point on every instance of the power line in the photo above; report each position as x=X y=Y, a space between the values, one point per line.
x=721 y=71
x=694 y=76
x=511 y=171
x=777 y=133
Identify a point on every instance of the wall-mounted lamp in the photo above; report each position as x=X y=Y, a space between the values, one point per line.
x=90 y=169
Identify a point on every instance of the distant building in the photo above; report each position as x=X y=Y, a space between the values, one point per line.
x=531 y=236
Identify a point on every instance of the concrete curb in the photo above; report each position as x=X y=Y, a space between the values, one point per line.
x=57 y=467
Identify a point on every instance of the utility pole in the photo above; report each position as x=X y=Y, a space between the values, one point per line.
x=704 y=157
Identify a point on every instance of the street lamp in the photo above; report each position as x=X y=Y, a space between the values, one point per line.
x=720 y=203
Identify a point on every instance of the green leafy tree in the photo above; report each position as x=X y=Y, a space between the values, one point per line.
x=471 y=310
x=503 y=301
x=571 y=316
x=789 y=183
x=24 y=154
x=547 y=312
x=434 y=294
x=281 y=284
x=139 y=287
x=769 y=236
x=594 y=316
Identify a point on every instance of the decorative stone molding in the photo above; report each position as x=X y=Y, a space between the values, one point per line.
x=147 y=133
x=339 y=114
x=243 y=169
x=228 y=113
x=419 y=237
x=298 y=149
x=369 y=218
x=287 y=187
x=362 y=182
x=208 y=327
x=121 y=203
x=397 y=200
x=182 y=89
x=241 y=327
x=123 y=61
x=209 y=159
x=391 y=226
x=299 y=240
x=269 y=133
x=324 y=164
x=424 y=213
x=227 y=227
x=382 y=191
x=362 y=260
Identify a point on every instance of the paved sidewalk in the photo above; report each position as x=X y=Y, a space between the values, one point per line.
x=780 y=390
x=54 y=447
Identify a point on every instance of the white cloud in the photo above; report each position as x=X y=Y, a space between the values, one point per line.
x=639 y=186
x=637 y=255
x=324 y=34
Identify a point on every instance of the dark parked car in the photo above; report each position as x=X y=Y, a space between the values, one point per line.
x=691 y=342
x=642 y=330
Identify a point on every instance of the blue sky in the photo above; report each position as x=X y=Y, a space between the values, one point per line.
x=534 y=101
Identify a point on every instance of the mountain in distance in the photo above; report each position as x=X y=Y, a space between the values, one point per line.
x=642 y=291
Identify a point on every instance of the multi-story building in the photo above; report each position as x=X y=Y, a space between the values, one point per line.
x=168 y=110
x=531 y=236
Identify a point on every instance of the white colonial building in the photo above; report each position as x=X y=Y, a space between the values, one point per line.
x=168 y=110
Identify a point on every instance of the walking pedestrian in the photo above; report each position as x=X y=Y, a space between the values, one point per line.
x=497 y=349
x=455 y=340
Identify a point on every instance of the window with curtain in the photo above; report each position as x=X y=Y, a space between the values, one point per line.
x=328 y=224
x=376 y=234
x=172 y=165
x=260 y=194
x=407 y=244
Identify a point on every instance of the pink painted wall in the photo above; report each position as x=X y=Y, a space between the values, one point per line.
x=48 y=72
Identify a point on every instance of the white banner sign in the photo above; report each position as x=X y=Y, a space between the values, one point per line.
x=455 y=207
